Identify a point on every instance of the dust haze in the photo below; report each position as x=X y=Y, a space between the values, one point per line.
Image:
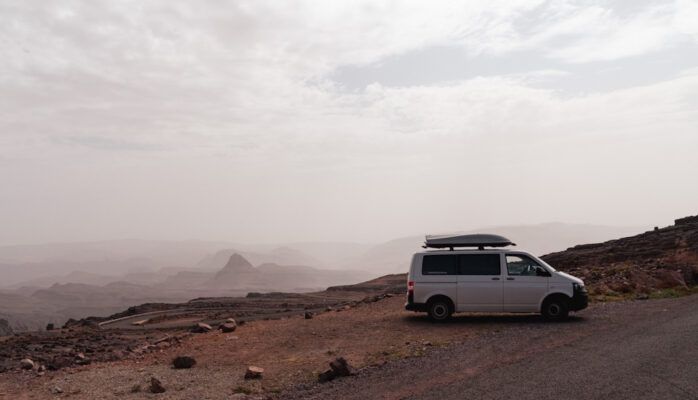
x=145 y=146
x=313 y=121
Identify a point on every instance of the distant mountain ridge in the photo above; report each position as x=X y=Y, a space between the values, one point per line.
x=117 y=277
x=32 y=308
x=394 y=256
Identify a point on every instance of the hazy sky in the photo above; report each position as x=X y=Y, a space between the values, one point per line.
x=281 y=121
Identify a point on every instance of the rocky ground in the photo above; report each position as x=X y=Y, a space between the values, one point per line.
x=663 y=258
x=149 y=328
x=281 y=342
x=294 y=351
x=620 y=350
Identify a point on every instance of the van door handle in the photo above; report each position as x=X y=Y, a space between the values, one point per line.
x=510 y=279
x=495 y=279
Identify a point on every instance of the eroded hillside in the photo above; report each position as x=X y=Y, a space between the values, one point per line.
x=659 y=259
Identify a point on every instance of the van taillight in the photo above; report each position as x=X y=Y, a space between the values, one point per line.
x=410 y=286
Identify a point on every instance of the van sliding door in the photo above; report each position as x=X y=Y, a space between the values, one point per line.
x=480 y=282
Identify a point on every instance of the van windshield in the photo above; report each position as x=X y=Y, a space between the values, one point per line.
x=550 y=267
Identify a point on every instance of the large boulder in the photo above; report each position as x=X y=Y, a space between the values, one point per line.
x=667 y=278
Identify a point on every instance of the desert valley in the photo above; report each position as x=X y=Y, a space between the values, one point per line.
x=52 y=283
x=289 y=335
x=348 y=199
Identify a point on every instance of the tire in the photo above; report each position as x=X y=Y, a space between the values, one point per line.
x=555 y=308
x=439 y=310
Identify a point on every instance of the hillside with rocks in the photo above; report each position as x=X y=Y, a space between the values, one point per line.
x=258 y=345
x=663 y=258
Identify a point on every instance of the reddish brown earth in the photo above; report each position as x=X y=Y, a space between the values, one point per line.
x=365 y=323
x=117 y=338
x=293 y=351
x=290 y=350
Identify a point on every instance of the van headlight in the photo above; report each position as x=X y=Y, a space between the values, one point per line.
x=578 y=288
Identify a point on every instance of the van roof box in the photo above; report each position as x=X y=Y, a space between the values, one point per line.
x=480 y=240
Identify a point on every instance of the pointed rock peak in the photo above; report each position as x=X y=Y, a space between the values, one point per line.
x=237 y=263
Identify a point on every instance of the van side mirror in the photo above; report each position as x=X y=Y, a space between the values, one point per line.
x=542 y=272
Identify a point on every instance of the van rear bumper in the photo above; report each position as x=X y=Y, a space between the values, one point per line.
x=410 y=305
x=421 y=307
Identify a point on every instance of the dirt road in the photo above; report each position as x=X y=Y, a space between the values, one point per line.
x=638 y=350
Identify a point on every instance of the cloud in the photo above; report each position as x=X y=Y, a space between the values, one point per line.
x=213 y=110
x=107 y=143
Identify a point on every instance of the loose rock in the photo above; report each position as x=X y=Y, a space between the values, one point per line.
x=338 y=367
x=201 y=328
x=228 y=327
x=254 y=372
x=156 y=386
x=26 y=363
x=183 y=362
x=309 y=315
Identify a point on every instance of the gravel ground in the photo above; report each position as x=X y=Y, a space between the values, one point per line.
x=402 y=355
x=638 y=350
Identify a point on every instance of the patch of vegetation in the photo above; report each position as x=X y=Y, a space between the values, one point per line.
x=610 y=295
x=673 y=292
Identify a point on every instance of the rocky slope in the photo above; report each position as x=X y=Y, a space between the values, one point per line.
x=658 y=259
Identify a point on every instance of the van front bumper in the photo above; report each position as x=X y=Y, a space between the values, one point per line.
x=580 y=299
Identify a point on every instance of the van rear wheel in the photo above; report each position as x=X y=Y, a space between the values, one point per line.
x=439 y=310
x=555 y=308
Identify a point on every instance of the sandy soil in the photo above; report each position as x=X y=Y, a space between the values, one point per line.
x=292 y=351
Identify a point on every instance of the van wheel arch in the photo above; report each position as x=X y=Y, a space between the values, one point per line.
x=555 y=306
x=435 y=308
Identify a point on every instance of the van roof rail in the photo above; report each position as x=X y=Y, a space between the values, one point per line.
x=479 y=240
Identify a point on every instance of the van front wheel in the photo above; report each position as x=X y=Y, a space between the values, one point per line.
x=555 y=308
x=439 y=310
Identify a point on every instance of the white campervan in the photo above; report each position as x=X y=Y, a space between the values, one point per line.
x=488 y=278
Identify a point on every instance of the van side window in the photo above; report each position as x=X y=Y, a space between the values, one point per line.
x=521 y=265
x=480 y=264
x=444 y=264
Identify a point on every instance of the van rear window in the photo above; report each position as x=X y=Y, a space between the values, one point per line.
x=442 y=264
x=480 y=264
